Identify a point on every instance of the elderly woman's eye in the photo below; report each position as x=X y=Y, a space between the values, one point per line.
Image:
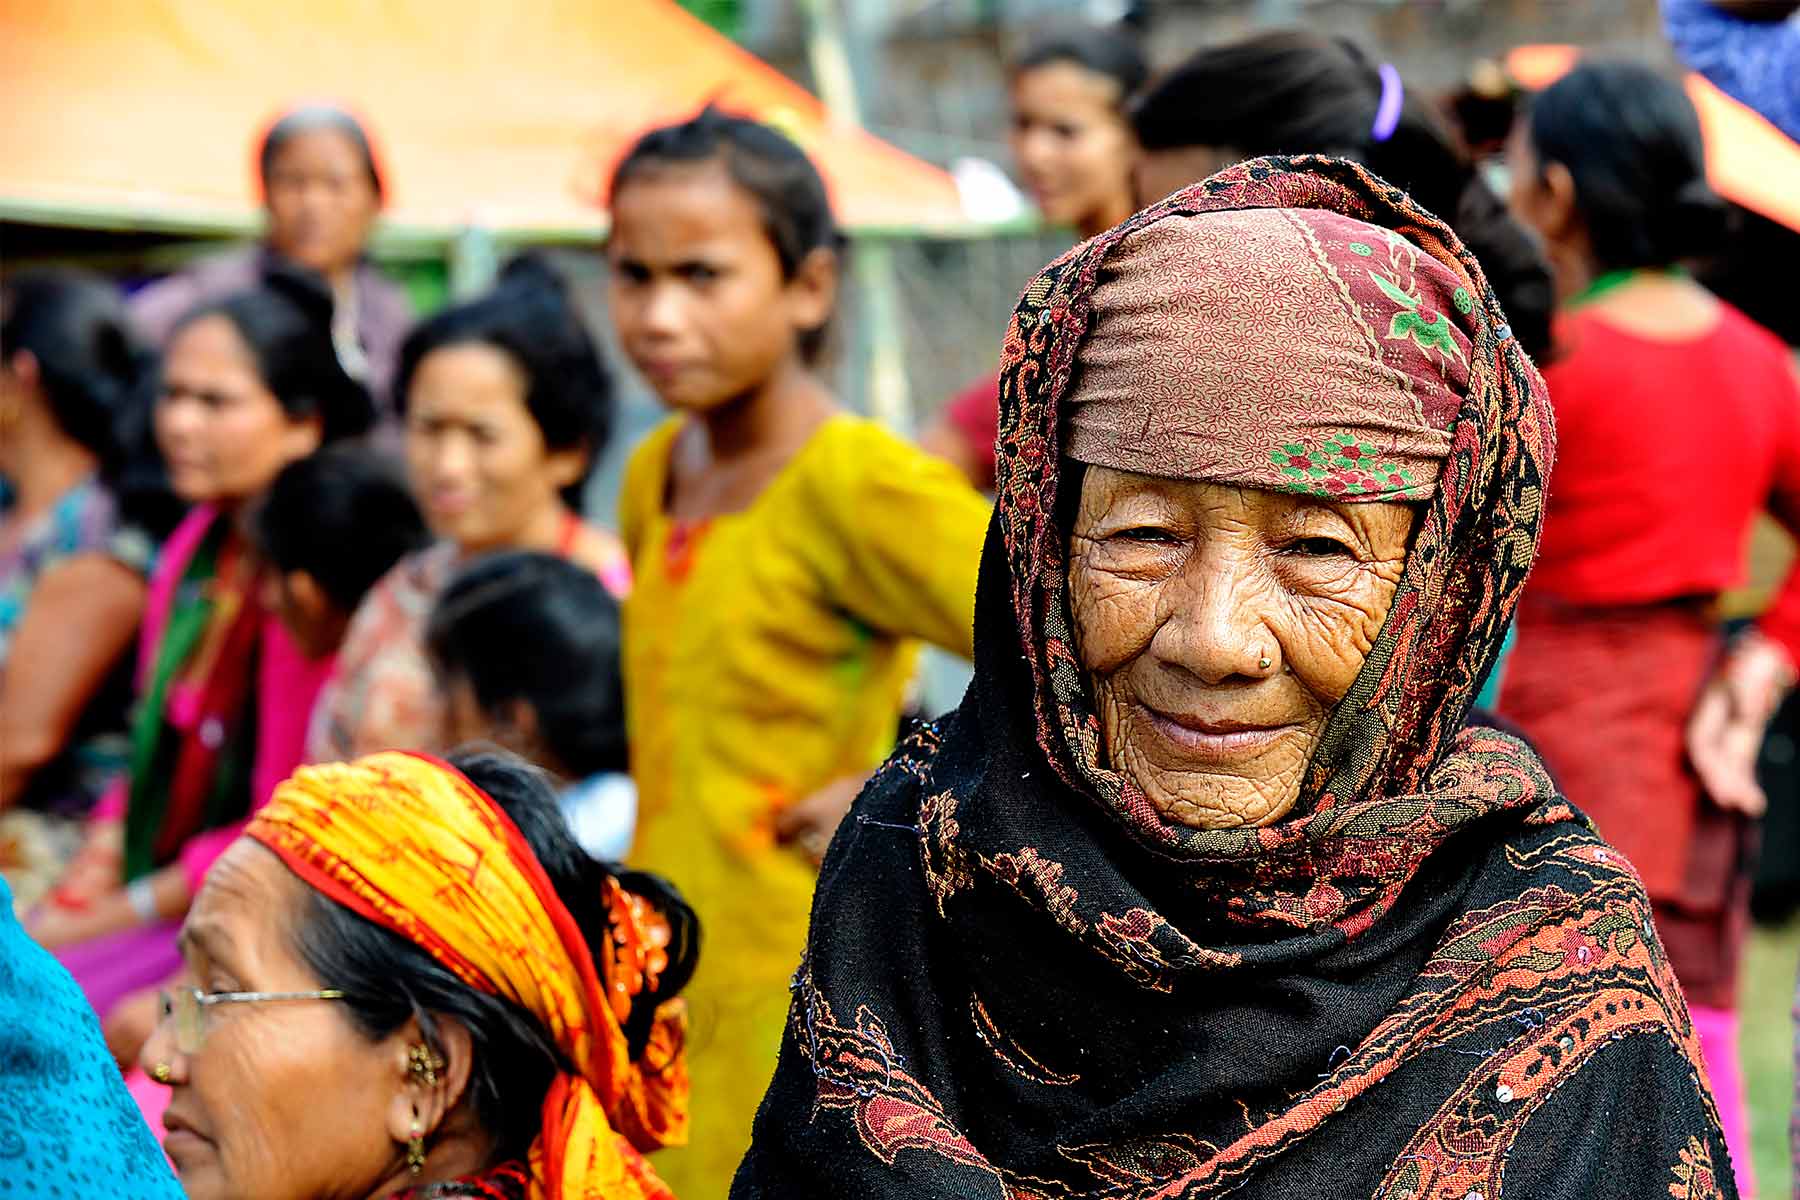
x=1147 y=533
x=1319 y=547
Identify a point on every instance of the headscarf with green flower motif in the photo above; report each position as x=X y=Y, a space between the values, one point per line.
x=1296 y=350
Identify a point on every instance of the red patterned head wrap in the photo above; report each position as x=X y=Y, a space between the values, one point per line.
x=1289 y=349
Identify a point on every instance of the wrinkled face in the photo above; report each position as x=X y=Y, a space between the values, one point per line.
x=1159 y=173
x=1073 y=149
x=321 y=200
x=283 y=1100
x=221 y=431
x=1219 y=627
x=697 y=293
x=475 y=455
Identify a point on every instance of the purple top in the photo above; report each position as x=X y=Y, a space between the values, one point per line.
x=383 y=313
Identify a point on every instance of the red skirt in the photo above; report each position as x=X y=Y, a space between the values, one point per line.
x=1605 y=694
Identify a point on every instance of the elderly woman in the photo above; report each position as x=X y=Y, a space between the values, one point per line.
x=407 y=980
x=1207 y=888
x=322 y=191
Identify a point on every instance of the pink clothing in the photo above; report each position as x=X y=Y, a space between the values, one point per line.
x=1718 y=1030
x=287 y=685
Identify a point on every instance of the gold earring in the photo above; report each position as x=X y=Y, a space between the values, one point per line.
x=415 y=1149
x=423 y=1064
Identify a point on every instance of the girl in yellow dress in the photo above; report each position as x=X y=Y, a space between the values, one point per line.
x=788 y=557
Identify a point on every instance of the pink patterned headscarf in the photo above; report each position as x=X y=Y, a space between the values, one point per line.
x=1288 y=349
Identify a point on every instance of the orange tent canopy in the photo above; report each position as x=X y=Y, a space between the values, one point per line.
x=1748 y=160
x=506 y=117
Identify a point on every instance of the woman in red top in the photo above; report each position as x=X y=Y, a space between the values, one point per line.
x=1678 y=422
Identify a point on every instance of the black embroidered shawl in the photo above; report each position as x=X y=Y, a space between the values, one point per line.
x=1432 y=980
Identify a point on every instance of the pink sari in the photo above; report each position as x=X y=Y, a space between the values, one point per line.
x=287 y=683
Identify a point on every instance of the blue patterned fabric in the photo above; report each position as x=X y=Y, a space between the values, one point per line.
x=68 y=1129
x=1754 y=62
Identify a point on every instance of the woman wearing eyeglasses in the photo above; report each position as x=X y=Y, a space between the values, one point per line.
x=407 y=980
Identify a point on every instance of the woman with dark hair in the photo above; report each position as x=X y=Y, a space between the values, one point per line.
x=1070 y=136
x=76 y=539
x=1210 y=888
x=790 y=557
x=249 y=384
x=1679 y=424
x=526 y=647
x=1293 y=92
x=1074 y=148
x=507 y=406
x=322 y=190
x=407 y=981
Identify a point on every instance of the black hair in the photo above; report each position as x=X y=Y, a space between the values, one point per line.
x=344 y=516
x=1295 y=92
x=286 y=324
x=1103 y=52
x=777 y=174
x=387 y=979
x=100 y=382
x=309 y=119
x=530 y=318
x=1631 y=139
x=533 y=627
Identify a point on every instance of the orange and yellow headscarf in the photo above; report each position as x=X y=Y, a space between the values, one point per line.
x=409 y=843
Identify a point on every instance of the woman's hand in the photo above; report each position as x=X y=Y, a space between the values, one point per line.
x=1725 y=732
x=160 y=896
x=811 y=822
x=54 y=926
x=95 y=871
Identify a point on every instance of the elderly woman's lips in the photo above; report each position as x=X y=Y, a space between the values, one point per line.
x=175 y=1124
x=1217 y=740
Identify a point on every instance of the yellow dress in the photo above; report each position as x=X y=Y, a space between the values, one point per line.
x=766 y=653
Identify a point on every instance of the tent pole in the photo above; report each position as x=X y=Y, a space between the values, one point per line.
x=472 y=260
x=872 y=260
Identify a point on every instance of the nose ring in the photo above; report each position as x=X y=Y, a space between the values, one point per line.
x=161 y=1072
x=1265 y=662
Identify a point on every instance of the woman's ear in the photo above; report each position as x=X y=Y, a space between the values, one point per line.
x=303 y=436
x=433 y=1077
x=566 y=466
x=24 y=366
x=812 y=292
x=1562 y=206
x=309 y=600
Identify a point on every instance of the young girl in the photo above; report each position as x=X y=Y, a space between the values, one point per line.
x=788 y=557
x=526 y=648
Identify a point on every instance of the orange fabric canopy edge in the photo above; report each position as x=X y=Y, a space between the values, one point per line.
x=506 y=117
x=1748 y=160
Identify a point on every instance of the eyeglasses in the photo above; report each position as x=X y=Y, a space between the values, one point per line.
x=188 y=1007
